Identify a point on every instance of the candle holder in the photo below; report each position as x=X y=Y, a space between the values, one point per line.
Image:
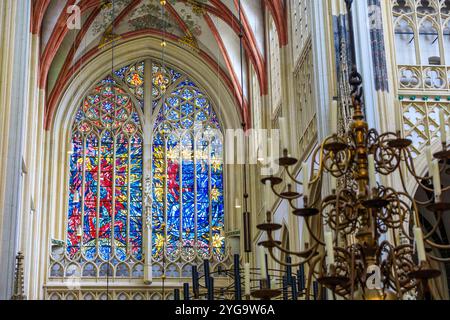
x=266 y=293
x=424 y=272
x=332 y=279
x=399 y=143
x=444 y=154
x=286 y=160
x=335 y=144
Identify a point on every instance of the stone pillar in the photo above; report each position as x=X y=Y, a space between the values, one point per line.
x=147 y=205
x=14 y=63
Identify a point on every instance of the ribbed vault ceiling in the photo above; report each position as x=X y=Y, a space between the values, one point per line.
x=207 y=27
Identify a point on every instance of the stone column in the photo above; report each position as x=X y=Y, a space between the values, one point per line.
x=147 y=203
x=14 y=58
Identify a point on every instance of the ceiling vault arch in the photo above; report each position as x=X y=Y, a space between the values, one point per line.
x=192 y=25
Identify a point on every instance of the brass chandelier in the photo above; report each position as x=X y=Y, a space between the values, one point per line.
x=361 y=214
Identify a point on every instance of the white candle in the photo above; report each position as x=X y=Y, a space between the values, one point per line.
x=329 y=246
x=238 y=204
x=273 y=283
x=267 y=192
x=284 y=133
x=247 y=282
x=437 y=179
x=333 y=117
x=305 y=179
x=372 y=178
x=418 y=237
x=262 y=149
x=270 y=155
x=429 y=158
x=443 y=126
x=262 y=262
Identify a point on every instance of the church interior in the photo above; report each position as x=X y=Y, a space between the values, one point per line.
x=224 y=150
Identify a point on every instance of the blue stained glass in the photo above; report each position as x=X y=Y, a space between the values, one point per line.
x=107 y=106
x=172 y=102
x=201 y=116
x=108 y=80
x=173 y=115
x=188 y=222
x=136 y=209
x=121 y=253
x=135 y=193
x=187 y=123
x=135 y=224
x=186 y=83
x=201 y=180
x=187 y=109
x=201 y=102
x=187 y=94
x=89 y=252
x=121 y=72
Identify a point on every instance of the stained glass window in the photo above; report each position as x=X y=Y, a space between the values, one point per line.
x=105 y=199
x=188 y=204
x=105 y=210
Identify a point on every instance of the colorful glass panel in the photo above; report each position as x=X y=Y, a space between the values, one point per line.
x=106 y=170
x=105 y=202
x=188 y=205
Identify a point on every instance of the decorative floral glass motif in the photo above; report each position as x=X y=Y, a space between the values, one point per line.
x=105 y=201
x=188 y=203
x=133 y=77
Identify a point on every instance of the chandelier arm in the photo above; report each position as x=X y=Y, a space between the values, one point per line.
x=344 y=213
x=291 y=176
x=409 y=161
x=291 y=253
x=279 y=247
x=434 y=258
x=314 y=236
x=334 y=163
x=313 y=251
x=435 y=227
x=405 y=189
x=392 y=273
x=411 y=168
x=437 y=245
x=320 y=164
x=312 y=268
x=279 y=195
x=294 y=207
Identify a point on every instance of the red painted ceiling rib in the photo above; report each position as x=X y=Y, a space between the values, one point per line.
x=276 y=8
x=261 y=64
x=56 y=39
x=67 y=71
x=256 y=57
x=223 y=50
x=177 y=18
x=125 y=12
x=38 y=12
x=68 y=62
